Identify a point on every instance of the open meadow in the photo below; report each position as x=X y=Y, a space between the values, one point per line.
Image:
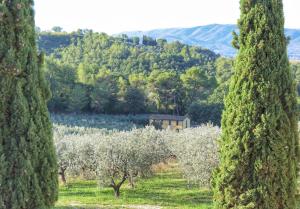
x=166 y=189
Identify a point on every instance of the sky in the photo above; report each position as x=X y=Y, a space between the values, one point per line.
x=115 y=16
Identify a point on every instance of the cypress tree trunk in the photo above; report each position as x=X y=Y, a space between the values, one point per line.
x=28 y=169
x=259 y=142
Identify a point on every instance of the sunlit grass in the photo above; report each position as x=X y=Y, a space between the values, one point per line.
x=166 y=189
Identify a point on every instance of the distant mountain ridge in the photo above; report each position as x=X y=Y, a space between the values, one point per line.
x=215 y=37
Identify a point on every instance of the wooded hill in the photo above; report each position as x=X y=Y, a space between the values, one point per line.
x=96 y=73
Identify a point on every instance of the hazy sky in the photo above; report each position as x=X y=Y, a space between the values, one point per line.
x=113 y=16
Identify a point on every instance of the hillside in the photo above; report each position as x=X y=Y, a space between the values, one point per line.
x=98 y=73
x=214 y=37
x=49 y=41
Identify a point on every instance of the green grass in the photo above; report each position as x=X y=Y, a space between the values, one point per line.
x=166 y=189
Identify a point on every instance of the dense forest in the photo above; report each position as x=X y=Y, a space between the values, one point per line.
x=96 y=73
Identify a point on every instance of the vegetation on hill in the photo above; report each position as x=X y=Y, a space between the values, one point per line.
x=96 y=73
x=120 y=75
x=259 y=144
x=50 y=41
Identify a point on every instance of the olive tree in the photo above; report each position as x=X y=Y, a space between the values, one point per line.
x=196 y=151
x=126 y=155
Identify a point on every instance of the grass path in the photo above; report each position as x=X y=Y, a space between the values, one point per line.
x=166 y=190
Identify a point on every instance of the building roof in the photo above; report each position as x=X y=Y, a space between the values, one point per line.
x=168 y=117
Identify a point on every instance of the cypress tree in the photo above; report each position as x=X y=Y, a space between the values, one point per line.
x=259 y=142
x=28 y=169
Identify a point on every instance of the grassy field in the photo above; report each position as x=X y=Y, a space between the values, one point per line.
x=165 y=190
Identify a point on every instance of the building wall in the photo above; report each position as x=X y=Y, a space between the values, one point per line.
x=165 y=124
x=174 y=125
x=187 y=123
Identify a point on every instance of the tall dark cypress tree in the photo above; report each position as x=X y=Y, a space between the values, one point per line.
x=28 y=169
x=259 y=142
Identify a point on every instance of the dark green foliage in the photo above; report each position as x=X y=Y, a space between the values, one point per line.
x=224 y=71
x=78 y=99
x=62 y=80
x=197 y=84
x=148 y=41
x=28 y=169
x=164 y=87
x=295 y=67
x=57 y=29
x=202 y=113
x=104 y=94
x=134 y=101
x=259 y=143
x=120 y=71
x=48 y=42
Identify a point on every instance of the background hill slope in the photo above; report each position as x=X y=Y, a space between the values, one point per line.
x=214 y=37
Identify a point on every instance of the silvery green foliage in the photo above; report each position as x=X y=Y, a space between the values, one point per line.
x=124 y=155
x=196 y=151
x=110 y=122
x=66 y=154
x=73 y=150
x=117 y=155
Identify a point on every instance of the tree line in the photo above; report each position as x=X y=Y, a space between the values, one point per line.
x=97 y=73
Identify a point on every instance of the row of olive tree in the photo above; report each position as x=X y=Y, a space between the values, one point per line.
x=114 y=157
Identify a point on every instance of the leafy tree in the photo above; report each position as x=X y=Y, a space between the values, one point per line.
x=104 y=93
x=161 y=42
x=78 y=98
x=259 y=143
x=148 y=41
x=138 y=80
x=204 y=112
x=86 y=74
x=163 y=86
x=28 y=165
x=62 y=80
x=136 y=40
x=135 y=101
x=197 y=84
x=224 y=71
x=57 y=29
